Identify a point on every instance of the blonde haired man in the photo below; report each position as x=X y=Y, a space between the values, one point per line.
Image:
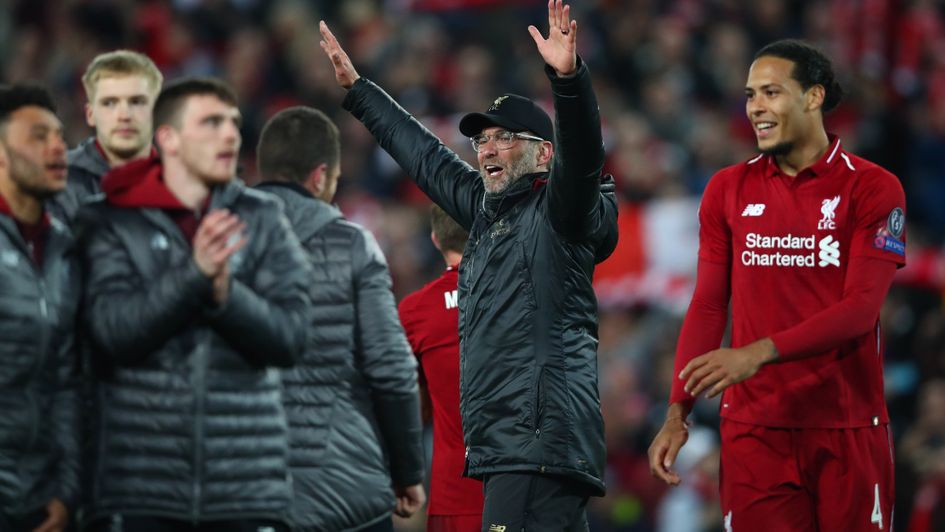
x=121 y=87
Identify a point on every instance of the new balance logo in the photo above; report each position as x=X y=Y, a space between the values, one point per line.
x=452 y=299
x=829 y=251
x=754 y=209
x=828 y=208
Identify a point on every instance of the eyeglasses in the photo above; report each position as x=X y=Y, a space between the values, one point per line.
x=503 y=139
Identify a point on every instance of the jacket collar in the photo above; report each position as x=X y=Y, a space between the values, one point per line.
x=139 y=184
x=494 y=205
x=307 y=214
x=88 y=157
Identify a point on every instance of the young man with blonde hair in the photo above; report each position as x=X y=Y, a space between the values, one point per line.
x=121 y=87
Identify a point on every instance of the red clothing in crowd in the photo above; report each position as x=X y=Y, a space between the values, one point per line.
x=430 y=318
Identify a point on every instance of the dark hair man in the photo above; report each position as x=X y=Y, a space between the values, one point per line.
x=538 y=224
x=431 y=319
x=121 y=87
x=39 y=293
x=357 y=372
x=803 y=241
x=197 y=291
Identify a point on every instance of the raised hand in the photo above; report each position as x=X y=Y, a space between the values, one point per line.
x=560 y=48
x=345 y=74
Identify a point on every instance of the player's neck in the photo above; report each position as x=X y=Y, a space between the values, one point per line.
x=452 y=258
x=189 y=189
x=805 y=154
x=115 y=160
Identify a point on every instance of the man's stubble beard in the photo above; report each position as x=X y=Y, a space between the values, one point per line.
x=517 y=169
x=28 y=176
x=779 y=149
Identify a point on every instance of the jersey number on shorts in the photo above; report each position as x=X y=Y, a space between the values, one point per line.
x=877 y=515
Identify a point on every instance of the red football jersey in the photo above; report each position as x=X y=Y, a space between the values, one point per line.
x=431 y=319
x=788 y=242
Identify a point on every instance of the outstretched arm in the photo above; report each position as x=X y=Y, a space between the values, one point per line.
x=442 y=175
x=575 y=209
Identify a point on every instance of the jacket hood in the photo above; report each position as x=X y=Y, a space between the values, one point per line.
x=307 y=214
x=139 y=183
x=86 y=156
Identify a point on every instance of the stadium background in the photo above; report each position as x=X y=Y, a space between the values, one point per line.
x=669 y=77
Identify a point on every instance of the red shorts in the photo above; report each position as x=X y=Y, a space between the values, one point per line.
x=794 y=480
x=454 y=523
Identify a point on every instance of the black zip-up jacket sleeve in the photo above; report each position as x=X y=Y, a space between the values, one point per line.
x=279 y=312
x=66 y=421
x=449 y=181
x=125 y=318
x=575 y=209
x=387 y=363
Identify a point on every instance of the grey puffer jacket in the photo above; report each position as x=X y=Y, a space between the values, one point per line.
x=190 y=420
x=352 y=397
x=38 y=395
x=527 y=308
x=84 y=182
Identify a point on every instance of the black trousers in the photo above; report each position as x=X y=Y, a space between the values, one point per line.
x=137 y=523
x=22 y=523
x=533 y=502
x=384 y=525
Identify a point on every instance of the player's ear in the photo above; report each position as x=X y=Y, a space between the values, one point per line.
x=815 y=97
x=317 y=179
x=546 y=151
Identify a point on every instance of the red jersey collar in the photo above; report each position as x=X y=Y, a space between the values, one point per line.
x=821 y=167
x=5 y=210
x=139 y=183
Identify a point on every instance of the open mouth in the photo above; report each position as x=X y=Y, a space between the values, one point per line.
x=764 y=129
x=493 y=171
x=57 y=168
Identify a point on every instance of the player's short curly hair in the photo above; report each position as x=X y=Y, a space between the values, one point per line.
x=13 y=97
x=811 y=67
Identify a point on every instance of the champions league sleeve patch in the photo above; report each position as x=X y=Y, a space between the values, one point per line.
x=896 y=222
x=890 y=243
x=887 y=238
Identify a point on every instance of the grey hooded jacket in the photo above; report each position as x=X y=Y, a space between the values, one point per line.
x=351 y=399
x=38 y=394
x=83 y=182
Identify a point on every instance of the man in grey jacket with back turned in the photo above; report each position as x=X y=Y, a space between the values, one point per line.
x=353 y=394
x=539 y=217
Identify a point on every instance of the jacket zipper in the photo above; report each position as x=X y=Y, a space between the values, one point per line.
x=536 y=426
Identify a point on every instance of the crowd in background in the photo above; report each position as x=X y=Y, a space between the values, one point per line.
x=669 y=77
